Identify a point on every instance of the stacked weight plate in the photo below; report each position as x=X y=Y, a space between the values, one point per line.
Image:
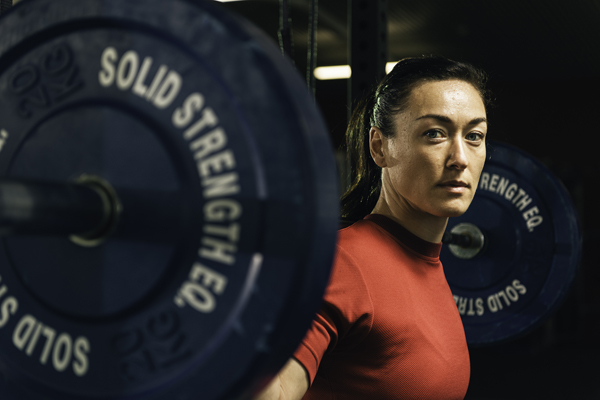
x=227 y=201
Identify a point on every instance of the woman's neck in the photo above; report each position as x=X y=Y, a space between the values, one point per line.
x=426 y=226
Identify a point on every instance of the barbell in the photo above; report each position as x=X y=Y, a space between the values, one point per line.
x=168 y=208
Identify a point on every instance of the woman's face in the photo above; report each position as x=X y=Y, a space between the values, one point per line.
x=433 y=162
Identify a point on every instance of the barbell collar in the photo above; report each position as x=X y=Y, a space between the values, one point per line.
x=465 y=240
x=51 y=208
x=457 y=239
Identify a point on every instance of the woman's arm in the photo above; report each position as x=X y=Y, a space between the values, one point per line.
x=290 y=384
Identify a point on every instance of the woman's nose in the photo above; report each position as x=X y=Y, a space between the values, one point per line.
x=457 y=157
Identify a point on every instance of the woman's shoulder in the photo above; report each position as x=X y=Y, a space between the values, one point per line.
x=377 y=233
x=361 y=234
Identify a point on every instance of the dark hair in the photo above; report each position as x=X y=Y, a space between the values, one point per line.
x=378 y=109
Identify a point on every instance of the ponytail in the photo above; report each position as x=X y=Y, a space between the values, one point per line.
x=365 y=175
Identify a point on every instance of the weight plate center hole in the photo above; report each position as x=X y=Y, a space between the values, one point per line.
x=111 y=209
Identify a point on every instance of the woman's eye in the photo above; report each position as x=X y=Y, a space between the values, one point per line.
x=473 y=136
x=433 y=134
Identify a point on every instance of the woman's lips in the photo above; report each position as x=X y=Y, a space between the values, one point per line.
x=454 y=186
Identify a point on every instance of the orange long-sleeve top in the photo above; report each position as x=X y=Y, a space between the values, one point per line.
x=389 y=327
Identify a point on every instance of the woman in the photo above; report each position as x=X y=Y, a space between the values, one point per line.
x=389 y=327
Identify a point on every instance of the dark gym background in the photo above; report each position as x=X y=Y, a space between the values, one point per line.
x=543 y=58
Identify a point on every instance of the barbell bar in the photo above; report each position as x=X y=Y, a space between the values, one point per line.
x=89 y=209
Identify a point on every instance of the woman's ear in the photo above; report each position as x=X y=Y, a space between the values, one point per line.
x=376 y=144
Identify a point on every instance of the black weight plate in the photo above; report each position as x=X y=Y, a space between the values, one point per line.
x=532 y=253
x=228 y=187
